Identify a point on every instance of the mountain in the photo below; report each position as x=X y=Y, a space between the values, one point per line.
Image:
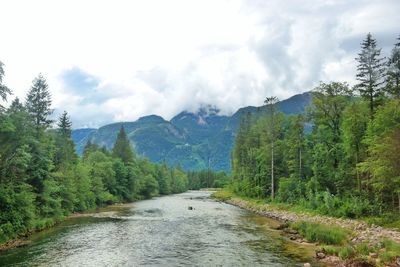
x=194 y=140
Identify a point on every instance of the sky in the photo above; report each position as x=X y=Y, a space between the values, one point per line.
x=118 y=60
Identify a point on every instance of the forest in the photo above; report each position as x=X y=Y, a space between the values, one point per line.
x=42 y=180
x=340 y=157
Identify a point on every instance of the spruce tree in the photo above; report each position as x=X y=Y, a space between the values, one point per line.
x=65 y=152
x=370 y=72
x=16 y=106
x=4 y=90
x=65 y=125
x=122 y=148
x=393 y=71
x=38 y=102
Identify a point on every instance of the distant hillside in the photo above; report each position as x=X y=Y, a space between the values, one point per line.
x=194 y=140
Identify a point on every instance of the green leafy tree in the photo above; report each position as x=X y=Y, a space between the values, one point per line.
x=370 y=73
x=328 y=104
x=354 y=126
x=382 y=163
x=149 y=186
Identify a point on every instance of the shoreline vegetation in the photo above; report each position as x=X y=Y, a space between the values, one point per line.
x=336 y=164
x=341 y=242
x=23 y=240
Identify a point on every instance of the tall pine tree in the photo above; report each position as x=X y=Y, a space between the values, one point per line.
x=38 y=102
x=65 y=153
x=271 y=103
x=4 y=90
x=370 y=73
x=122 y=148
x=393 y=71
x=65 y=125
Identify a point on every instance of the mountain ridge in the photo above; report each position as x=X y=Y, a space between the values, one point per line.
x=194 y=140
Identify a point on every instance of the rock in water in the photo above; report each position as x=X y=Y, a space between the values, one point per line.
x=190 y=208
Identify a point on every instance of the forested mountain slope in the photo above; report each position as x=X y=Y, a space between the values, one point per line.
x=194 y=140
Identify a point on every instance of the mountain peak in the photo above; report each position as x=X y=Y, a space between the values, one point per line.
x=151 y=119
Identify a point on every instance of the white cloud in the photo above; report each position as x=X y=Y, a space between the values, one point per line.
x=161 y=57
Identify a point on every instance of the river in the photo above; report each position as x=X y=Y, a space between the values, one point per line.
x=162 y=232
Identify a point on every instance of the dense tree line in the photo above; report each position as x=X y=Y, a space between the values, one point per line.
x=42 y=180
x=207 y=179
x=341 y=156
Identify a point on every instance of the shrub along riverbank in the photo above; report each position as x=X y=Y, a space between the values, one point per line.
x=341 y=241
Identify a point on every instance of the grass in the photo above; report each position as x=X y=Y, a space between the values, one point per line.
x=389 y=220
x=324 y=234
x=223 y=195
x=346 y=252
x=389 y=250
x=334 y=239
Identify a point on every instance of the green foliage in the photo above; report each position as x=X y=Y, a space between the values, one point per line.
x=207 y=179
x=4 y=90
x=223 y=195
x=38 y=102
x=363 y=249
x=122 y=148
x=346 y=252
x=290 y=190
x=347 y=166
x=393 y=71
x=196 y=141
x=313 y=232
x=391 y=250
x=331 y=250
x=149 y=186
x=370 y=73
x=42 y=180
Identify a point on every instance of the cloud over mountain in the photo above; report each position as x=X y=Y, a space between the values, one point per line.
x=110 y=61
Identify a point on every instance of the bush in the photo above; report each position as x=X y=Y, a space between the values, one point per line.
x=314 y=232
x=290 y=190
x=340 y=206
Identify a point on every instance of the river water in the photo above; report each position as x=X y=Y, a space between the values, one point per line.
x=162 y=232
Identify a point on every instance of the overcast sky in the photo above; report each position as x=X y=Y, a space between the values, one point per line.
x=117 y=60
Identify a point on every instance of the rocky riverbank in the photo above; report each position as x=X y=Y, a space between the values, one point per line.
x=361 y=232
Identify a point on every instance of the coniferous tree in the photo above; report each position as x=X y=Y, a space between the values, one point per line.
x=65 y=152
x=38 y=102
x=65 y=125
x=271 y=102
x=4 y=90
x=393 y=71
x=122 y=148
x=370 y=72
x=295 y=142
